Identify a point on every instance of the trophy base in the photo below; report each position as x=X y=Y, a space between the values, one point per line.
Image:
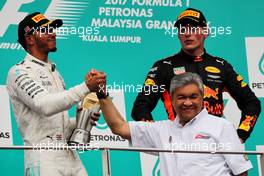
x=79 y=137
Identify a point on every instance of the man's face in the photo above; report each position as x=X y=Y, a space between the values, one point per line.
x=187 y=102
x=191 y=38
x=45 y=40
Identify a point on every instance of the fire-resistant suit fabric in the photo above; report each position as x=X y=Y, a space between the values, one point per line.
x=40 y=103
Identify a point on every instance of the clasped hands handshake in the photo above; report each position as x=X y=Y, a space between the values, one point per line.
x=96 y=81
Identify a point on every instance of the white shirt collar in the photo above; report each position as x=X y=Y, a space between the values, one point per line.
x=35 y=60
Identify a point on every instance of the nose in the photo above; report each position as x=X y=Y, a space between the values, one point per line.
x=52 y=35
x=187 y=34
x=187 y=102
x=52 y=31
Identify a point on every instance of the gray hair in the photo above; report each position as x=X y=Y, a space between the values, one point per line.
x=185 y=79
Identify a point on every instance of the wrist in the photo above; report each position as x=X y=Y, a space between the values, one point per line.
x=102 y=95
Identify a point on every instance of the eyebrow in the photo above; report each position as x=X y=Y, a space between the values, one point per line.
x=187 y=95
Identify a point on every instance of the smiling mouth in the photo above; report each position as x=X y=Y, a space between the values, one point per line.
x=188 y=109
x=188 y=41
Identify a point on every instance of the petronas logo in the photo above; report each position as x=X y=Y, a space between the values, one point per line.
x=261 y=65
x=101 y=125
x=156 y=169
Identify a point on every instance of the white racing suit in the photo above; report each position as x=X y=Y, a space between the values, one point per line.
x=40 y=104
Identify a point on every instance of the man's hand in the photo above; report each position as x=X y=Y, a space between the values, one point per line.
x=95 y=117
x=78 y=110
x=95 y=80
x=241 y=140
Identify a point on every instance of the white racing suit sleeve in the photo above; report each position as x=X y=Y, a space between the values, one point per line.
x=22 y=85
x=71 y=126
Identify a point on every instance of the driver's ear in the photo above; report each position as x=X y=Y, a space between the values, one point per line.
x=206 y=32
x=29 y=40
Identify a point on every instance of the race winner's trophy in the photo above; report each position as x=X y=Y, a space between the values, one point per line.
x=81 y=135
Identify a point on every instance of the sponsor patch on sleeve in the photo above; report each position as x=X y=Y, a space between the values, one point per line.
x=243 y=84
x=248 y=123
x=150 y=82
x=239 y=78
